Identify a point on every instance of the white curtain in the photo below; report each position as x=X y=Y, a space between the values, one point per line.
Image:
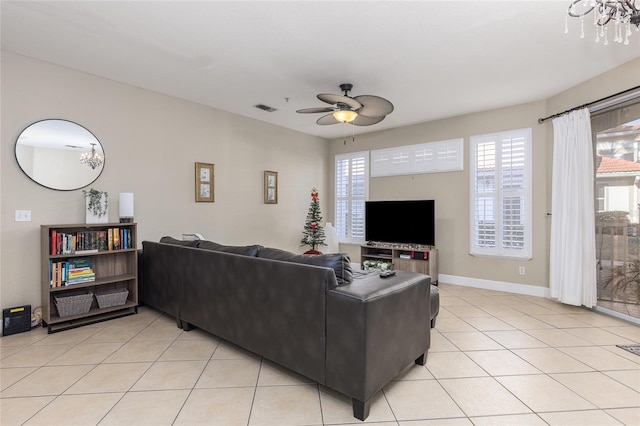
x=573 y=243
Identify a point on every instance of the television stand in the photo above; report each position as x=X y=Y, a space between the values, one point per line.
x=404 y=257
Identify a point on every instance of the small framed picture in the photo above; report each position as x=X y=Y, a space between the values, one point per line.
x=270 y=187
x=204 y=183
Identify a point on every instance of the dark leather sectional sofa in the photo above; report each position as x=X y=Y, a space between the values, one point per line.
x=306 y=313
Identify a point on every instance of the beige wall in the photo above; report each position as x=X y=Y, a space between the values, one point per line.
x=451 y=190
x=618 y=80
x=151 y=142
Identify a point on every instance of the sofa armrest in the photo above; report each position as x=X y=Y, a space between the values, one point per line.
x=161 y=277
x=375 y=329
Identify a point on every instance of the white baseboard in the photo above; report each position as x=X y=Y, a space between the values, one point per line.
x=529 y=290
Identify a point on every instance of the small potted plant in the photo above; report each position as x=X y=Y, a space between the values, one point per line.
x=97 y=203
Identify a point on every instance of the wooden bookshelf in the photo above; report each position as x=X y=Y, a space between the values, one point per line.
x=110 y=267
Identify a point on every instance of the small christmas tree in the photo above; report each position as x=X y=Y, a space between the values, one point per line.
x=313 y=234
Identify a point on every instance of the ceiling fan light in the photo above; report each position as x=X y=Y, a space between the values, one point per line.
x=345 y=115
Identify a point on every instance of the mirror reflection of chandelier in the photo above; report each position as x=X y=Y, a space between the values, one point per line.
x=620 y=13
x=92 y=159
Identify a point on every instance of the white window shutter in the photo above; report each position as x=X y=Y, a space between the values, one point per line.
x=431 y=157
x=500 y=182
x=352 y=190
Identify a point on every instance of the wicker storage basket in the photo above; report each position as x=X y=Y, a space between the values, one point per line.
x=73 y=304
x=113 y=297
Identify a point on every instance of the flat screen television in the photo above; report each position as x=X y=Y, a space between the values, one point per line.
x=405 y=221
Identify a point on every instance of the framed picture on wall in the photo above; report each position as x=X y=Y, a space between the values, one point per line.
x=270 y=187
x=204 y=183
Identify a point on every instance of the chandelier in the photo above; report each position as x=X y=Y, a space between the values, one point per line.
x=92 y=159
x=621 y=13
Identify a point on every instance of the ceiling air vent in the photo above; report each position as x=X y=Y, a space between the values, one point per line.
x=265 y=108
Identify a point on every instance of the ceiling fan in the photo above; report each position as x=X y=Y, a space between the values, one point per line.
x=363 y=110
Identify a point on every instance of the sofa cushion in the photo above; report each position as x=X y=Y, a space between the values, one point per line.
x=244 y=250
x=171 y=240
x=339 y=262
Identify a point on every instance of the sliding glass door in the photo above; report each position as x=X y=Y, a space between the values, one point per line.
x=617 y=191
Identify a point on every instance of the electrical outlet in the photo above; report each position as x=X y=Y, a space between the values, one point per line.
x=23 y=215
x=521 y=270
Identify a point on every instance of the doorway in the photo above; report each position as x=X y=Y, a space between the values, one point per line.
x=617 y=204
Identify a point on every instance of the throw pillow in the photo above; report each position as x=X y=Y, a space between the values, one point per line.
x=171 y=240
x=243 y=250
x=339 y=262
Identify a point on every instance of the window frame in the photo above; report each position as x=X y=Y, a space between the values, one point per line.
x=499 y=192
x=347 y=237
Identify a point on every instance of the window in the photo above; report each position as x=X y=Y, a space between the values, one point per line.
x=500 y=188
x=430 y=157
x=352 y=190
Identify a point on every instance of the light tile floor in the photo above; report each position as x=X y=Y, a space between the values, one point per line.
x=495 y=359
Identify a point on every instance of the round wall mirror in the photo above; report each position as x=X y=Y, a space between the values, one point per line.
x=59 y=154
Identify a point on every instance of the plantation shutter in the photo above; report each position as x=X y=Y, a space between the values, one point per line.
x=501 y=194
x=513 y=192
x=484 y=218
x=430 y=157
x=352 y=190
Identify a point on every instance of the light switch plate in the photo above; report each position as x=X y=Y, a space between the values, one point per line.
x=23 y=215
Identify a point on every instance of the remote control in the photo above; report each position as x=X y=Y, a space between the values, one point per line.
x=387 y=274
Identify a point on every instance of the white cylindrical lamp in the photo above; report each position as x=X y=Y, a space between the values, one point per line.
x=126 y=207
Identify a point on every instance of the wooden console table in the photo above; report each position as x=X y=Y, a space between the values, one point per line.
x=405 y=257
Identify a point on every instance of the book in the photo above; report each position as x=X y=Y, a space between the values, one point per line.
x=102 y=240
x=80 y=270
x=81 y=262
x=126 y=244
x=58 y=274
x=90 y=251
x=54 y=242
x=88 y=242
x=116 y=238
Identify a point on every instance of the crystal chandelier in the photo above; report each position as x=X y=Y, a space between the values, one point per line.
x=92 y=159
x=621 y=13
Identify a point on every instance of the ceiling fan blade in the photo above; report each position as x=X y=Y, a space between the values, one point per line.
x=362 y=120
x=334 y=99
x=314 y=110
x=374 y=106
x=326 y=120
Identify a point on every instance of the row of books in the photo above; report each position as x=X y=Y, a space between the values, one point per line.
x=72 y=271
x=87 y=242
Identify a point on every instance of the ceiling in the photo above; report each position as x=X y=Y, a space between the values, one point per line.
x=431 y=59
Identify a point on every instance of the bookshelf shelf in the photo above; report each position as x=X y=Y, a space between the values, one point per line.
x=100 y=253
x=104 y=255
x=56 y=319
x=97 y=282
